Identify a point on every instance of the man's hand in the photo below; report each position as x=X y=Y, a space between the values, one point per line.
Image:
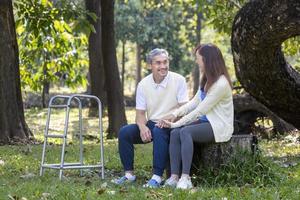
x=141 y=121
x=145 y=134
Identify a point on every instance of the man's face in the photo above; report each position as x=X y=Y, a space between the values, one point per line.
x=160 y=66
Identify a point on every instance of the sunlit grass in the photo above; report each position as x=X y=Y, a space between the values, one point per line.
x=36 y=119
x=19 y=169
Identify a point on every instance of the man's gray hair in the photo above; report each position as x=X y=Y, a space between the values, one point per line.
x=156 y=52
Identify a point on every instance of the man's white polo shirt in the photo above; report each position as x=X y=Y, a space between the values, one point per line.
x=159 y=100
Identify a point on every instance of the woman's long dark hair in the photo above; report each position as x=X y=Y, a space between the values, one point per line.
x=214 y=65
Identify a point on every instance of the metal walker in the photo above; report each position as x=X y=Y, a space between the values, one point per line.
x=62 y=165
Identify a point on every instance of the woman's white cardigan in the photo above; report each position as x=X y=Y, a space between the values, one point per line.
x=217 y=106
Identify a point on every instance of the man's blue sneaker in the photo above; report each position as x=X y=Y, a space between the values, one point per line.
x=152 y=184
x=123 y=180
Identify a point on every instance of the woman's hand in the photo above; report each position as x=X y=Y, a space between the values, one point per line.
x=170 y=118
x=166 y=121
x=163 y=124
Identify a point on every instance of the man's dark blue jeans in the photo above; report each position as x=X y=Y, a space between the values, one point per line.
x=130 y=134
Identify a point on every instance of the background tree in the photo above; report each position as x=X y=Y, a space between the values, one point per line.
x=165 y=19
x=199 y=19
x=52 y=40
x=12 y=122
x=260 y=64
x=115 y=103
x=96 y=68
x=163 y=24
x=130 y=27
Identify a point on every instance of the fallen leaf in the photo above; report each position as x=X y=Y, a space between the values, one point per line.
x=104 y=185
x=45 y=195
x=14 y=197
x=123 y=190
x=111 y=192
x=27 y=176
x=193 y=190
x=289 y=164
x=101 y=191
x=2 y=162
x=154 y=195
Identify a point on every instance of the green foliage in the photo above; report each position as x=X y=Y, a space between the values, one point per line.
x=221 y=14
x=129 y=22
x=291 y=50
x=165 y=34
x=160 y=24
x=52 y=41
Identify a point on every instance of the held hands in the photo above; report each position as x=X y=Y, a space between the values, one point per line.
x=163 y=124
x=145 y=134
x=166 y=121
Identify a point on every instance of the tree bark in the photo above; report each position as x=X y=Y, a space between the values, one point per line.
x=96 y=67
x=12 y=121
x=246 y=112
x=258 y=31
x=138 y=75
x=123 y=66
x=214 y=155
x=115 y=102
x=45 y=92
x=46 y=87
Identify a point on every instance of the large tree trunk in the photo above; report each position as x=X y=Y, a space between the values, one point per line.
x=96 y=68
x=12 y=122
x=246 y=113
x=258 y=31
x=115 y=102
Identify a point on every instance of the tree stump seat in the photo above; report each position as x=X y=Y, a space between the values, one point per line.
x=213 y=155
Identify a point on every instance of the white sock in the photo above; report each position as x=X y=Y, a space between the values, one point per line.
x=129 y=176
x=157 y=178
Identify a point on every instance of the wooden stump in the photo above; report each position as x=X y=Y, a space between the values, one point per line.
x=215 y=154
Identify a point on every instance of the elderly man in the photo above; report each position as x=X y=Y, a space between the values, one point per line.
x=157 y=95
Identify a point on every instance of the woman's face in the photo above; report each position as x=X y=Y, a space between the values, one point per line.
x=199 y=61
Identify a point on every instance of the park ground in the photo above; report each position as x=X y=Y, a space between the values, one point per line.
x=273 y=174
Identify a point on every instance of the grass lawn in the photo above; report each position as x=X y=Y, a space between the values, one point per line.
x=19 y=169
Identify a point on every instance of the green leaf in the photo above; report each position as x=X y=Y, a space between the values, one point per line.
x=93 y=16
x=58 y=26
x=44 y=2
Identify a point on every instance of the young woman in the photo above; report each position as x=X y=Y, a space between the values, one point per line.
x=208 y=117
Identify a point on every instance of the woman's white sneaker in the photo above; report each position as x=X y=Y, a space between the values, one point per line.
x=184 y=183
x=171 y=182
